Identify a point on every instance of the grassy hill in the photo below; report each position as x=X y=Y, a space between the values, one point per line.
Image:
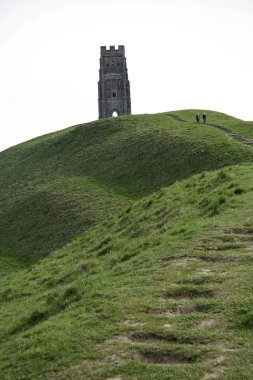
x=57 y=186
x=126 y=251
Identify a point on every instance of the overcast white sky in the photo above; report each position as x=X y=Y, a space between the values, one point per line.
x=180 y=54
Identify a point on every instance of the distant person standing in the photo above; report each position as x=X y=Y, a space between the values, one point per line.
x=197 y=117
x=204 y=118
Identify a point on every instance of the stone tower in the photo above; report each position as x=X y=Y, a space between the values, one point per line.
x=113 y=85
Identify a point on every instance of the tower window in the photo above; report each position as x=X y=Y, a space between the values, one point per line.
x=114 y=95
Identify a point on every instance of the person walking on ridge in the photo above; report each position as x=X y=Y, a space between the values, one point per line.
x=197 y=117
x=204 y=118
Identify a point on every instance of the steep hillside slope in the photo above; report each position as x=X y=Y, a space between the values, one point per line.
x=55 y=187
x=163 y=290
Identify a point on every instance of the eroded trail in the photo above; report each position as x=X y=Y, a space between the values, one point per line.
x=233 y=134
x=228 y=131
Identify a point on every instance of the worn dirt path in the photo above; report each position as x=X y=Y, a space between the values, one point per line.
x=228 y=131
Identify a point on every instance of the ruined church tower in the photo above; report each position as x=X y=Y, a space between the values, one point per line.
x=113 y=85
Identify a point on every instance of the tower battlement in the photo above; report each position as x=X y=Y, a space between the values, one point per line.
x=112 y=49
x=113 y=85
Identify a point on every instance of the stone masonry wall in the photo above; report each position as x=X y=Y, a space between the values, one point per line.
x=113 y=85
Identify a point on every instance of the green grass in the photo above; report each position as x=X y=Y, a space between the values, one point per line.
x=57 y=186
x=244 y=128
x=159 y=284
x=45 y=215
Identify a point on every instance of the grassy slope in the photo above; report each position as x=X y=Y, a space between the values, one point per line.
x=57 y=186
x=166 y=282
x=40 y=217
x=244 y=128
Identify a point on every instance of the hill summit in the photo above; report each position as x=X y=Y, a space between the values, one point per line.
x=125 y=250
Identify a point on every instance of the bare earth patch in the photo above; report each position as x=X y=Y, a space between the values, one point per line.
x=210 y=376
x=217 y=362
x=182 y=309
x=217 y=371
x=206 y=324
x=164 y=357
x=184 y=261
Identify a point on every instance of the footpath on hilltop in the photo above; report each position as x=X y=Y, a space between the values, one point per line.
x=126 y=251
